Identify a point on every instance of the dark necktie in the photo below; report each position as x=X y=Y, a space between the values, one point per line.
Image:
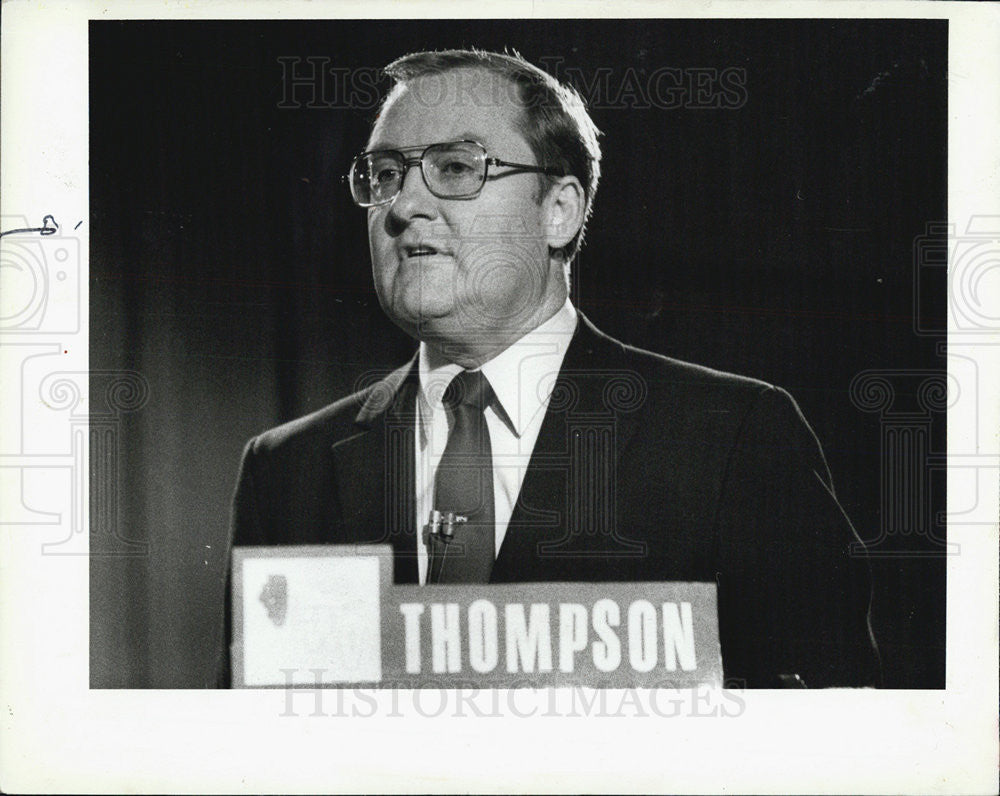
x=464 y=485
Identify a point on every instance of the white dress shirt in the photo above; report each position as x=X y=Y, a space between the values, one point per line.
x=522 y=377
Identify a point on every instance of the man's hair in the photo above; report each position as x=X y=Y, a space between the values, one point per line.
x=554 y=119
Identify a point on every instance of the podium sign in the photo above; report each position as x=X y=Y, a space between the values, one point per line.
x=331 y=615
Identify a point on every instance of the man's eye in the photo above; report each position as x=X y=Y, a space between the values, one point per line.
x=385 y=175
x=455 y=168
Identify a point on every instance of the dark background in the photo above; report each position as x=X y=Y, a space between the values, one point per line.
x=230 y=270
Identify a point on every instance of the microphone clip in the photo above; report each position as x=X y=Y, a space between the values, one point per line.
x=442 y=524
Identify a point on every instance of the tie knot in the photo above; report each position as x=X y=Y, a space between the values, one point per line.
x=469 y=388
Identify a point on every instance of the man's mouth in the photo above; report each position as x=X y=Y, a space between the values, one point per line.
x=420 y=250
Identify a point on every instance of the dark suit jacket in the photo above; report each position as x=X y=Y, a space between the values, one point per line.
x=645 y=469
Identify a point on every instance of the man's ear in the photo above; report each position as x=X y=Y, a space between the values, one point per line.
x=564 y=207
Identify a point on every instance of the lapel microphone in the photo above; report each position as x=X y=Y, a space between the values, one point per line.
x=440 y=527
x=442 y=524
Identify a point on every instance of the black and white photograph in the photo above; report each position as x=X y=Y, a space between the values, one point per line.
x=698 y=236
x=456 y=369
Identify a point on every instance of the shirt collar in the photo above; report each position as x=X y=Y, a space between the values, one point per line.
x=522 y=375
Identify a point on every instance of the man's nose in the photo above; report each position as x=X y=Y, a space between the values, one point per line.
x=414 y=198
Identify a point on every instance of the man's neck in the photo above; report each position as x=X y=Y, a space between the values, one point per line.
x=472 y=354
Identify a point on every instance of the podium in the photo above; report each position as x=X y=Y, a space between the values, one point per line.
x=330 y=615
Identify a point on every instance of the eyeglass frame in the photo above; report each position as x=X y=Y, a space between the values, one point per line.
x=551 y=171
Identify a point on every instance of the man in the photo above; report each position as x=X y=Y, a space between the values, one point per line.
x=520 y=443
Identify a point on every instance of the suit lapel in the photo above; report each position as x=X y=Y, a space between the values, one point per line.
x=564 y=522
x=375 y=475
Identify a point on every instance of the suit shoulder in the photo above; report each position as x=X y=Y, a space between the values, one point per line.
x=694 y=373
x=337 y=421
x=332 y=422
x=664 y=369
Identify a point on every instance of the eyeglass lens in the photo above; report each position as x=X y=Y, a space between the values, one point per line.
x=450 y=171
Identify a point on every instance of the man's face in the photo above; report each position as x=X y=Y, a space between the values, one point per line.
x=465 y=273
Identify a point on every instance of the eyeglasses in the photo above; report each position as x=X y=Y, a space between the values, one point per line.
x=453 y=170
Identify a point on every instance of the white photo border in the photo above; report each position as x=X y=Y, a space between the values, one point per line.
x=57 y=735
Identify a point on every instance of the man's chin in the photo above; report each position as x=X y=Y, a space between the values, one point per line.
x=435 y=326
x=424 y=322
